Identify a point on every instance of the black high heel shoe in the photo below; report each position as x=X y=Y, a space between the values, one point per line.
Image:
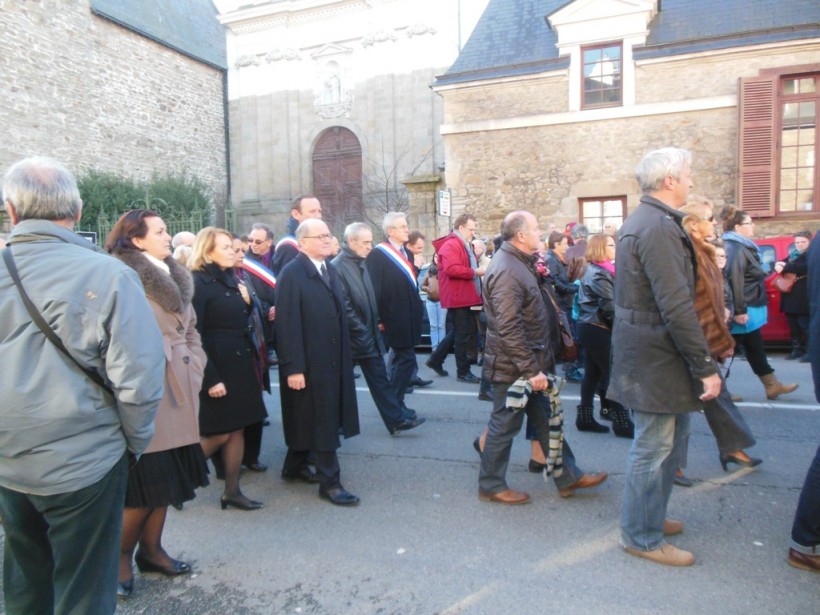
x=125 y=589
x=241 y=502
x=477 y=445
x=175 y=568
x=725 y=460
x=536 y=467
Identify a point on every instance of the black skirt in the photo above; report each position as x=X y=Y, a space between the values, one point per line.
x=166 y=477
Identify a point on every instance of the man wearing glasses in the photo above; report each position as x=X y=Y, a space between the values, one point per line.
x=315 y=365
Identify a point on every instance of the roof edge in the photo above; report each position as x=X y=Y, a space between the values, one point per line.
x=514 y=70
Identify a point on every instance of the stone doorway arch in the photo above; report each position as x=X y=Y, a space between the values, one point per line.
x=337 y=178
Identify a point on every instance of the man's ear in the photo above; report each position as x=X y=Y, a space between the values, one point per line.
x=11 y=212
x=79 y=213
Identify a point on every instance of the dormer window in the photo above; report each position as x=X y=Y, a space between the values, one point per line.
x=602 y=83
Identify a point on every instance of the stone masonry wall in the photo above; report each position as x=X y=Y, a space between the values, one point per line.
x=94 y=95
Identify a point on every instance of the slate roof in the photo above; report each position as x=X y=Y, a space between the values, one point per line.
x=513 y=37
x=190 y=27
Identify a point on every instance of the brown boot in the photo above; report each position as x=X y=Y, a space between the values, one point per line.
x=774 y=387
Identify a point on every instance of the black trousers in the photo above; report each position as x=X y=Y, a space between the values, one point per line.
x=458 y=339
x=753 y=345
x=382 y=391
x=326 y=462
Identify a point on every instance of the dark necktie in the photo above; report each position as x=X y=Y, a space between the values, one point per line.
x=325 y=275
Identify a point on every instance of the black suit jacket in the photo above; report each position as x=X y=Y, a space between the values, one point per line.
x=400 y=306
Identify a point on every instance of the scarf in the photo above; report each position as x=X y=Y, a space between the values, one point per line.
x=608 y=265
x=744 y=241
x=518 y=396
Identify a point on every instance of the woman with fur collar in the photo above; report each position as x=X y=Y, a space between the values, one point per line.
x=727 y=424
x=173 y=465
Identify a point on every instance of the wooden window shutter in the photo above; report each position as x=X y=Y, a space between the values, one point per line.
x=756 y=158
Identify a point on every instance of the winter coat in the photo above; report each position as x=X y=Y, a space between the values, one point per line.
x=397 y=298
x=456 y=276
x=177 y=420
x=516 y=344
x=797 y=301
x=360 y=306
x=312 y=338
x=710 y=301
x=745 y=275
x=595 y=294
x=222 y=322
x=659 y=353
x=285 y=250
x=59 y=431
x=564 y=289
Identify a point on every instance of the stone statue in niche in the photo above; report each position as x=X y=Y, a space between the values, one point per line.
x=331 y=98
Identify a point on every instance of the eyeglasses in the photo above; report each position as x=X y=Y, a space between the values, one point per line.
x=610 y=245
x=709 y=219
x=323 y=237
x=745 y=223
x=258 y=242
x=720 y=256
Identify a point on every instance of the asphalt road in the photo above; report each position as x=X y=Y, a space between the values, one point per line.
x=422 y=543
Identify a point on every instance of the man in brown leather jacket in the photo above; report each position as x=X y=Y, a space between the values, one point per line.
x=517 y=348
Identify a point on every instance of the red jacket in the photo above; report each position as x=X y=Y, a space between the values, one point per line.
x=456 y=278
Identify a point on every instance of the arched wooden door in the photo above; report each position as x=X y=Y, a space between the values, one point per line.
x=337 y=178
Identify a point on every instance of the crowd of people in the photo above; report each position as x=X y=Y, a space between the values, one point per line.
x=162 y=354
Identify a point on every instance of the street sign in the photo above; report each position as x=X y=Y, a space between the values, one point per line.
x=444 y=203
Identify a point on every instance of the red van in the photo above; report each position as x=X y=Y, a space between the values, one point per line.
x=773 y=249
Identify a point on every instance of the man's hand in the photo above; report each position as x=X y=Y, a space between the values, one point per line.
x=272 y=313
x=539 y=382
x=243 y=290
x=711 y=387
x=218 y=390
x=296 y=382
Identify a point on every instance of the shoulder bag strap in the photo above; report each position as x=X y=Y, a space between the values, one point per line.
x=43 y=325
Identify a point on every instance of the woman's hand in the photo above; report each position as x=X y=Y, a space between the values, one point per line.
x=296 y=382
x=741 y=319
x=218 y=390
x=243 y=290
x=778 y=266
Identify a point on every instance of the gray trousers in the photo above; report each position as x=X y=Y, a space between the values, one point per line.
x=727 y=424
x=504 y=424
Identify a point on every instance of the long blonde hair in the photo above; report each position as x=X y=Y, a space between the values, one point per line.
x=204 y=245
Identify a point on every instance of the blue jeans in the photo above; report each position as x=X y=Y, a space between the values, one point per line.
x=437 y=316
x=657 y=451
x=62 y=551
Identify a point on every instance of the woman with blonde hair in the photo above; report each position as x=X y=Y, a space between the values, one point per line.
x=596 y=312
x=231 y=398
x=727 y=424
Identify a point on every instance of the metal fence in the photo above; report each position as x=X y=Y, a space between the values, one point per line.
x=175 y=223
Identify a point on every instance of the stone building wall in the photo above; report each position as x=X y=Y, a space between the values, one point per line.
x=92 y=94
x=547 y=168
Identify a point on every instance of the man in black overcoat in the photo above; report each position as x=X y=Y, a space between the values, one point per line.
x=315 y=365
x=397 y=297
x=366 y=342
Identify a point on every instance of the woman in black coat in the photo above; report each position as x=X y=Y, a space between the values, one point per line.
x=231 y=396
x=795 y=305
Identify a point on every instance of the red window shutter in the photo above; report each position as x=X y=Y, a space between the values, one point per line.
x=756 y=158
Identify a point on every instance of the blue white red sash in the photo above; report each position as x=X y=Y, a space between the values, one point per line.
x=288 y=240
x=260 y=271
x=398 y=259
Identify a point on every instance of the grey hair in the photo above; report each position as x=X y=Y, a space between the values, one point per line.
x=354 y=229
x=390 y=220
x=42 y=188
x=514 y=222
x=261 y=226
x=579 y=231
x=657 y=165
x=177 y=239
x=307 y=226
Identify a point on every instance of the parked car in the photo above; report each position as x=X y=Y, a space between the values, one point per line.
x=774 y=249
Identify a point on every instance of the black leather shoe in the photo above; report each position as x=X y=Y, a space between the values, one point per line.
x=406 y=425
x=485 y=396
x=409 y=413
x=126 y=588
x=239 y=502
x=535 y=467
x=174 y=569
x=257 y=467
x=338 y=496
x=303 y=474
x=418 y=382
x=469 y=378
x=437 y=368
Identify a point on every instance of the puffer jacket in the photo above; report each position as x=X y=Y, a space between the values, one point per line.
x=59 y=431
x=745 y=275
x=659 y=353
x=517 y=339
x=595 y=305
x=360 y=306
x=456 y=276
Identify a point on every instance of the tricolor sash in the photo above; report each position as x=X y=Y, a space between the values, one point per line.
x=398 y=259
x=288 y=240
x=260 y=271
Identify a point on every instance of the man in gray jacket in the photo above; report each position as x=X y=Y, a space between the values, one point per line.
x=661 y=366
x=64 y=440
